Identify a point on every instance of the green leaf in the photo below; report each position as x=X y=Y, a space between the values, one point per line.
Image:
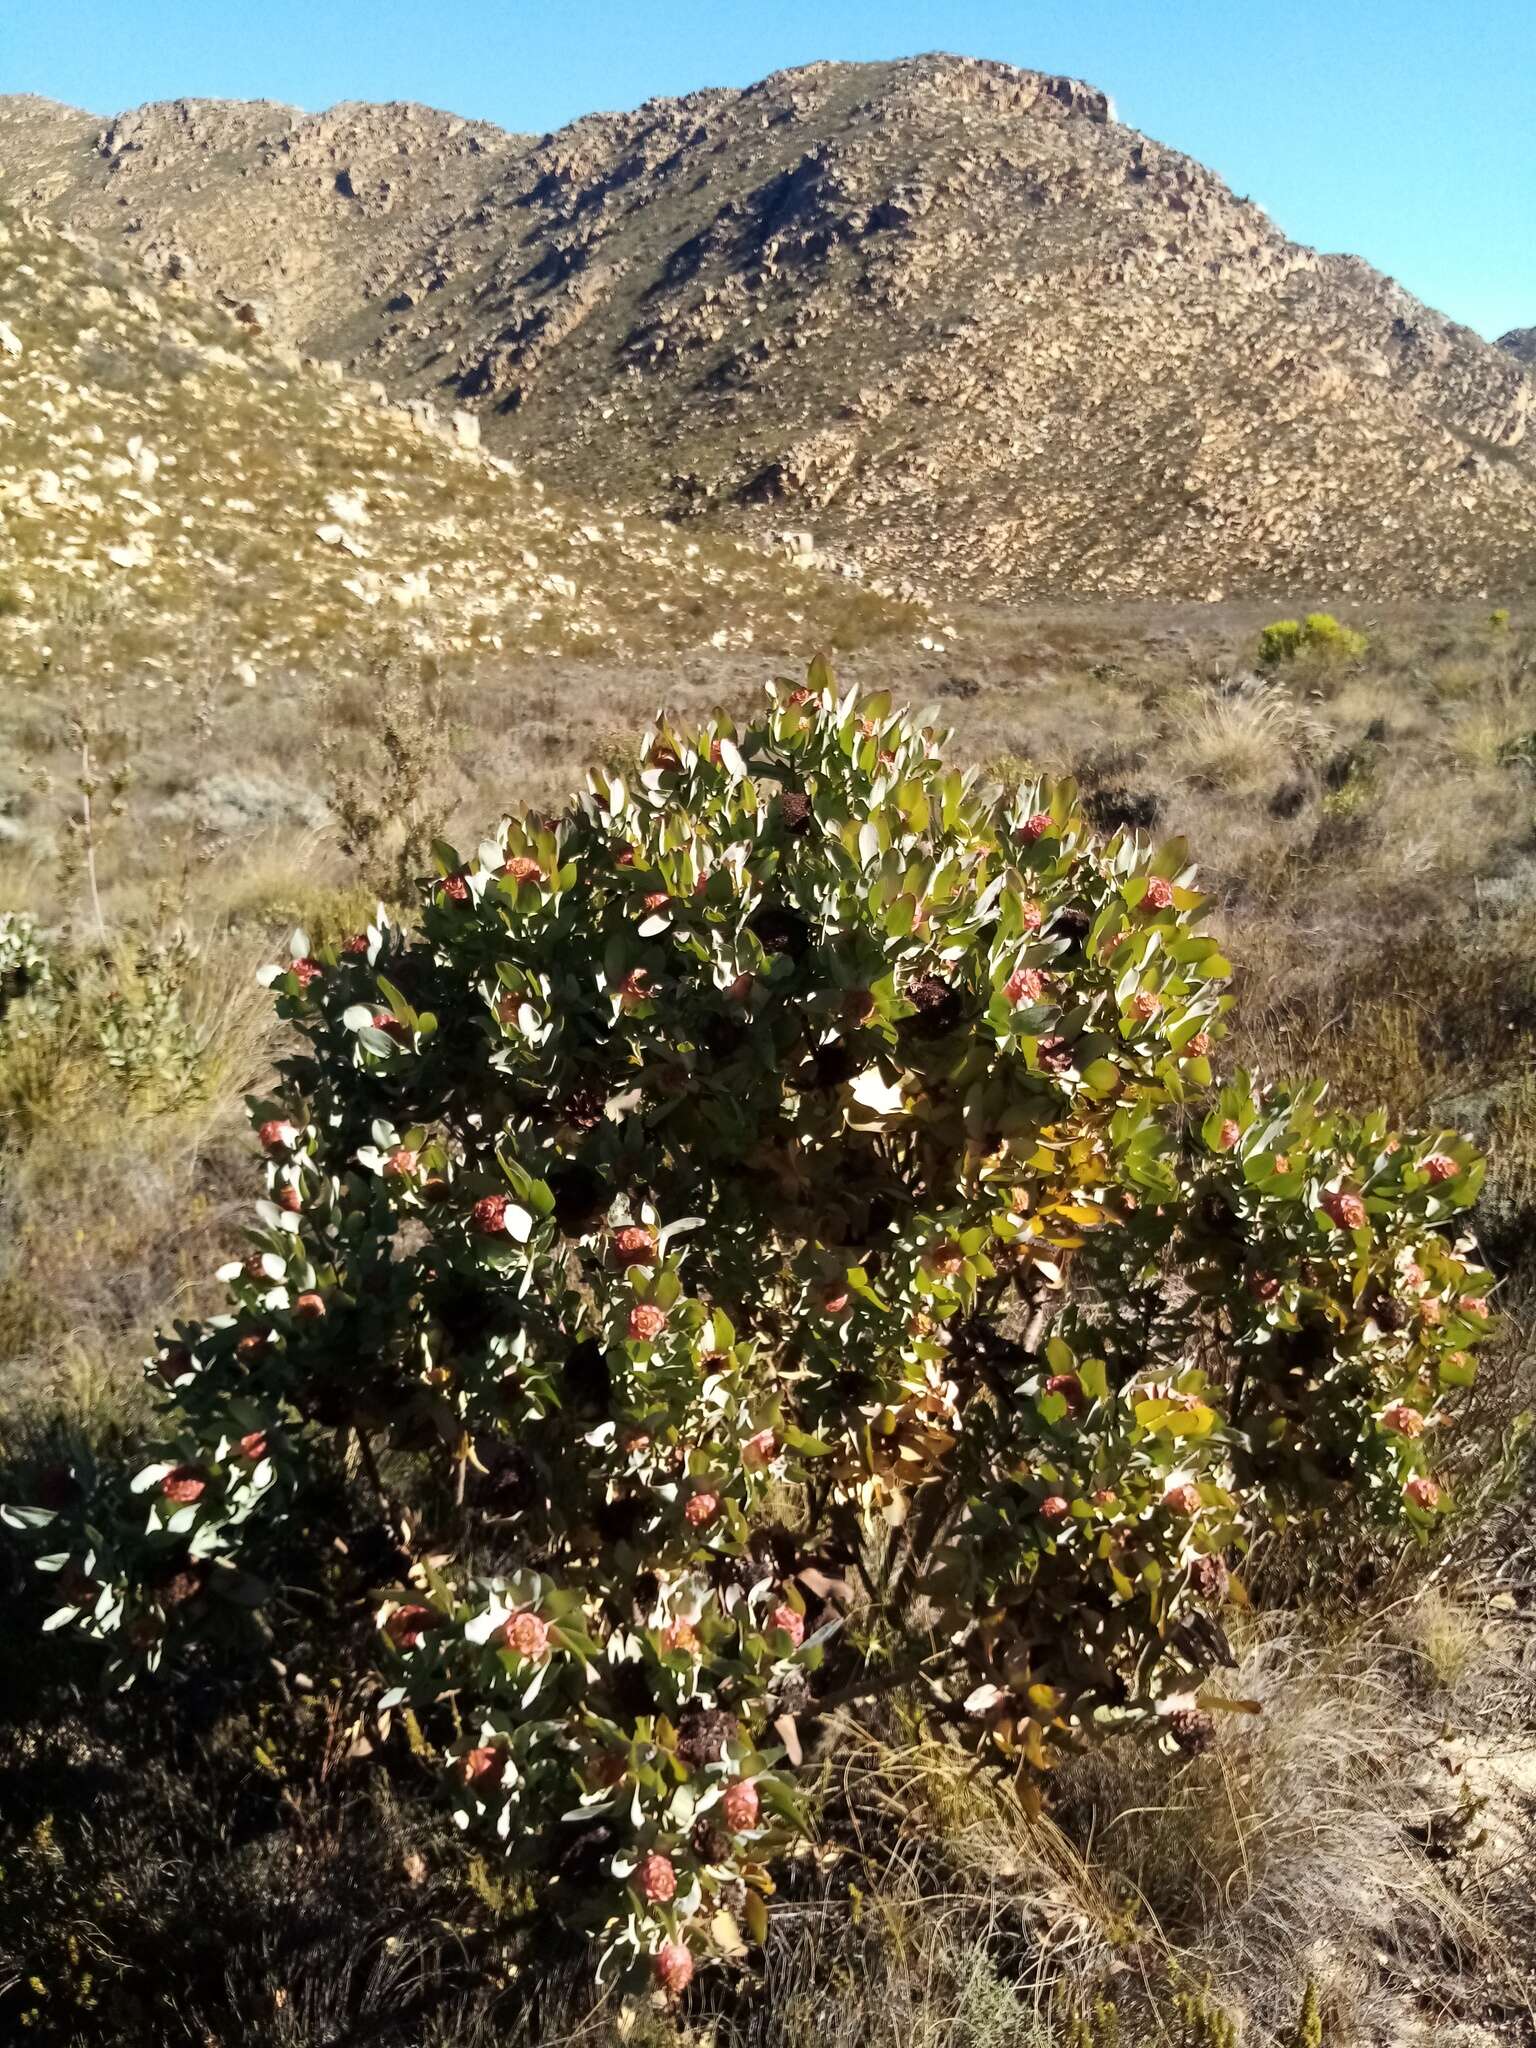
x=1094 y=1377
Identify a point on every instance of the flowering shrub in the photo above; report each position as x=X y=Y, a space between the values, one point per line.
x=792 y=1168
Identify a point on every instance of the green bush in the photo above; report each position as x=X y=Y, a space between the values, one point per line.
x=28 y=990
x=791 y=1169
x=1319 y=637
x=1280 y=642
x=143 y=1031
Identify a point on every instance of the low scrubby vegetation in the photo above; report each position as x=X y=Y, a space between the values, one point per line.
x=249 y=1847
x=1318 y=639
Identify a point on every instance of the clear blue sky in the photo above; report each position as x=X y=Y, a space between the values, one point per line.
x=1402 y=130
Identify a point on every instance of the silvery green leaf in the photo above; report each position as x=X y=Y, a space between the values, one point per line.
x=29 y=1518
x=481 y=1627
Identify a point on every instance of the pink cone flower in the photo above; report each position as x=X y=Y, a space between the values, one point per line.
x=1402 y=1420
x=184 y=1485
x=488 y=1218
x=741 y=1806
x=526 y=1633
x=790 y=1621
x=655 y=1879
x=674 y=1968
x=1345 y=1207
x=407 y=1625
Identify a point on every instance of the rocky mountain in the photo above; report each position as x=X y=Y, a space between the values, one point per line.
x=951 y=317
x=1521 y=343
x=193 y=501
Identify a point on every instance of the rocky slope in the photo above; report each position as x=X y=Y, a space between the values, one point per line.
x=194 y=502
x=1520 y=343
x=950 y=316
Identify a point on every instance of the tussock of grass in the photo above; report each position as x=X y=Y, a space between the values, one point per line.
x=1236 y=737
x=1289 y=1850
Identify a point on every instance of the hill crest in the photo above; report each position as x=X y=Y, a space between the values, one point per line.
x=951 y=315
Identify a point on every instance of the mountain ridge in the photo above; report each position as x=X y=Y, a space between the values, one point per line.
x=950 y=315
